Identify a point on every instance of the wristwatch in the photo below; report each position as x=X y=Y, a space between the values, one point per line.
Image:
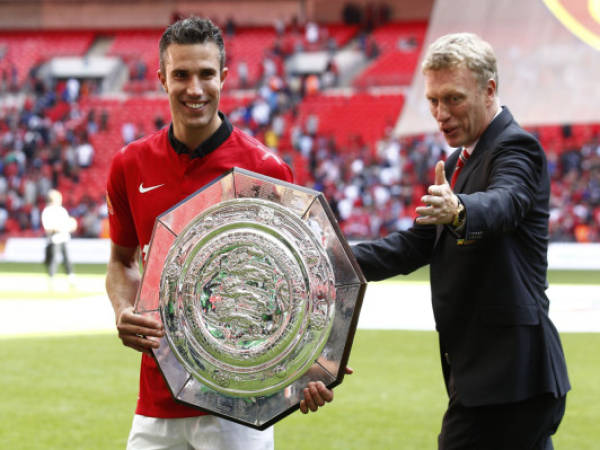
x=460 y=216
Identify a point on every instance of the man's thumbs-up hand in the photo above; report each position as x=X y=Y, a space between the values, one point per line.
x=441 y=203
x=440 y=174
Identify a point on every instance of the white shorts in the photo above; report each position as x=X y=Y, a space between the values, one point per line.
x=202 y=432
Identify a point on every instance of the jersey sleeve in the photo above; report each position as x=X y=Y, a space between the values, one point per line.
x=120 y=218
x=273 y=166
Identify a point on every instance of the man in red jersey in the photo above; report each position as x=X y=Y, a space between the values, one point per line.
x=146 y=178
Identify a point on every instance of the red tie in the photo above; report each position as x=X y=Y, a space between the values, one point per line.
x=462 y=159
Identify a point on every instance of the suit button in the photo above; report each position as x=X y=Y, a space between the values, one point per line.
x=447 y=358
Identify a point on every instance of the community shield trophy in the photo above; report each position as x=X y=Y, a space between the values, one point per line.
x=258 y=292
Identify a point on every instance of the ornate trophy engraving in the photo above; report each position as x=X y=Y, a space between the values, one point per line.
x=258 y=292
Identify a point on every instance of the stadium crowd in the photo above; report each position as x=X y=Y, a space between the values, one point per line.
x=45 y=136
x=575 y=199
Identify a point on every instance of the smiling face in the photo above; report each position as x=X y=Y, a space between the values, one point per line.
x=193 y=80
x=460 y=105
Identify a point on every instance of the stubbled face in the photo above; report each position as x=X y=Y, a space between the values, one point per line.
x=193 y=81
x=458 y=103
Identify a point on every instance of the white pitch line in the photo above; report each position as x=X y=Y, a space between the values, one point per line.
x=407 y=306
x=393 y=306
x=404 y=306
x=27 y=317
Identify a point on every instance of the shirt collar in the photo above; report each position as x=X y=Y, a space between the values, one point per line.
x=210 y=144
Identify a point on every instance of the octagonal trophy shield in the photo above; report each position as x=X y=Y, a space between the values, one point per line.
x=258 y=293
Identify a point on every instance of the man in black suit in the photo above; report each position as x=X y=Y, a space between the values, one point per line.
x=486 y=239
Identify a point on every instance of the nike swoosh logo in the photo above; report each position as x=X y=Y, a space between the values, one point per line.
x=143 y=189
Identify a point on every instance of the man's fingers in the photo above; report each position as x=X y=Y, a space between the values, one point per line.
x=440 y=174
x=139 y=330
x=309 y=401
x=316 y=394
x=432 y=200
x=303 y=407
x=140 y=343
x=423 y=210
x=427 y=211
x=129 y=317
x=130 y=323
x=324 y=393
x=425 y=220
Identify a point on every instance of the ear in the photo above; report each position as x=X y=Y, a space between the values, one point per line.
x=163 y=80
x=224 y=73
x=491 y=89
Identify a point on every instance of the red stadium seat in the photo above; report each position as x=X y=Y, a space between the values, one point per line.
x=400 y=46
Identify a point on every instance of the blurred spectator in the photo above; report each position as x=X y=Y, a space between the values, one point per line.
x=271 y=139
x=85 y=152
x=3 y=213
x=242 y=72
x=278 y=125
x=230 y=27
x=407 y=44
x=311 y=33
x=329 y=78
x=13 y=85
x=312 y=84
x=385 y=13
x=92 y=219
x=58 y=226
x=128 y=132
x=138 y=70
x=72 y=90
x=92 y=126
x=4 y=81
x=279 y=26
x=159 y=122
x=261 y=112
x=372 y=50
x=352 y=14
x=104 y=120
x=312 y=124
x=269 y=67
x=70 y=162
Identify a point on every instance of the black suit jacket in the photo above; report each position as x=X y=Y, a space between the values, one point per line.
x=488 y=289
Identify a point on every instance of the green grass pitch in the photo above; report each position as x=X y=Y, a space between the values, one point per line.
x=79 y=391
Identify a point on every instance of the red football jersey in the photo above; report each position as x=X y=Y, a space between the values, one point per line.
x=148 y=177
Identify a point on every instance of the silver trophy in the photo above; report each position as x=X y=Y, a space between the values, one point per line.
x=258 y=292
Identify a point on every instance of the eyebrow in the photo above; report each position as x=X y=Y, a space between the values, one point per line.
x=202 y=70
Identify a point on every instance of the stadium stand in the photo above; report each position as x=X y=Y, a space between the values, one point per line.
x=138 y=49
x=250 y=47
x=394 y=50
x=338 y=139
x=344 y=116
x=23 y=50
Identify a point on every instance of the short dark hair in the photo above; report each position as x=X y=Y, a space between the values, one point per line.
x=191 y=30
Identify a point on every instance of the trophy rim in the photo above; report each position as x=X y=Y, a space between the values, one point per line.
x=354 y=286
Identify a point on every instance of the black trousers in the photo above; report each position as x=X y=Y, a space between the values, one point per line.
x=51 y=261
x=525 y=425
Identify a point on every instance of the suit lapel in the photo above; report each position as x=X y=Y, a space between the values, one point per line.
x=483 y=145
